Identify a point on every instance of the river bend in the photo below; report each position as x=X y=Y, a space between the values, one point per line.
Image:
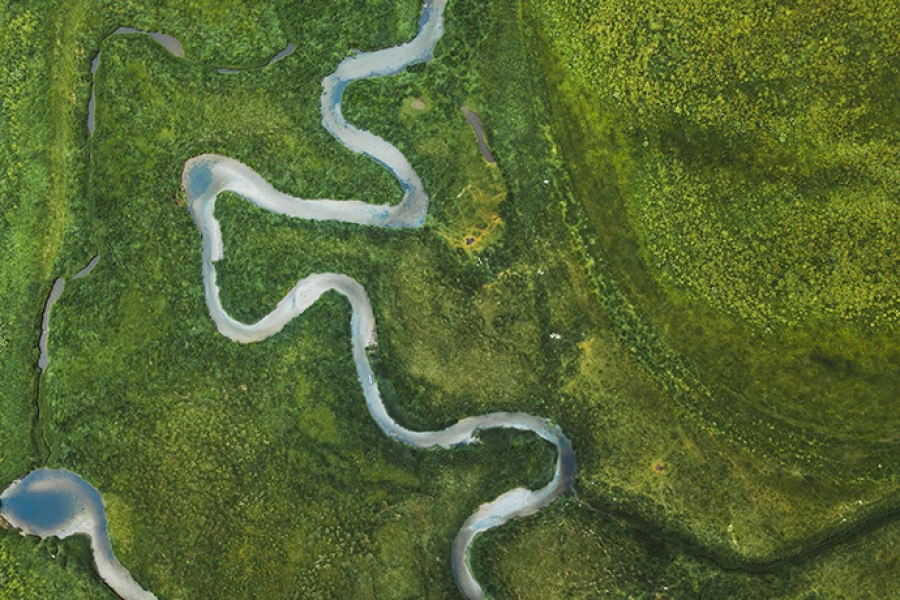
x=206 y=176
x=74 y=507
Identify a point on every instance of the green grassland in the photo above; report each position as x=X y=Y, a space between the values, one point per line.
x=650 y=269
x=731 y=166
x=748 y=161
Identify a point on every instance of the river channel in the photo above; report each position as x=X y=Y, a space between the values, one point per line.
x=204 y=178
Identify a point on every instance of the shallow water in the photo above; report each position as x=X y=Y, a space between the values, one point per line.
x=474 y=122
x=55 y=294
x=59 y=503
x=169 y=42
x=41 y=511
x=206 y=176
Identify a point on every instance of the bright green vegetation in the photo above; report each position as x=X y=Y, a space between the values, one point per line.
x=48 y=569
x=731 y=164
x=730 y=405
x=749 y=156
x=35 y=193
x=762 y=184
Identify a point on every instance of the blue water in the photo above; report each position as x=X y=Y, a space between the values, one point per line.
x=200 y=179
x=48 y=509
x=44 y=510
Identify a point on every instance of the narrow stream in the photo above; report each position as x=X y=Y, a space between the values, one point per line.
x=55 y=293
x=56 y=502
x=169 y=42
x=282 y=54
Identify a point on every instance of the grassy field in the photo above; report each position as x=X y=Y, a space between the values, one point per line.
x=728 y=396
x=713 y=158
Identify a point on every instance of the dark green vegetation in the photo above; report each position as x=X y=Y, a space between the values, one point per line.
x=730 y=429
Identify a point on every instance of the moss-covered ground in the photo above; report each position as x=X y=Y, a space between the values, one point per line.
x=684 y=255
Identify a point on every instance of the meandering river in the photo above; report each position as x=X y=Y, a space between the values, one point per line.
x=204 y=178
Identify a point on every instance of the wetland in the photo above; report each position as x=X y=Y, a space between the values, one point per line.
x=652 y=263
